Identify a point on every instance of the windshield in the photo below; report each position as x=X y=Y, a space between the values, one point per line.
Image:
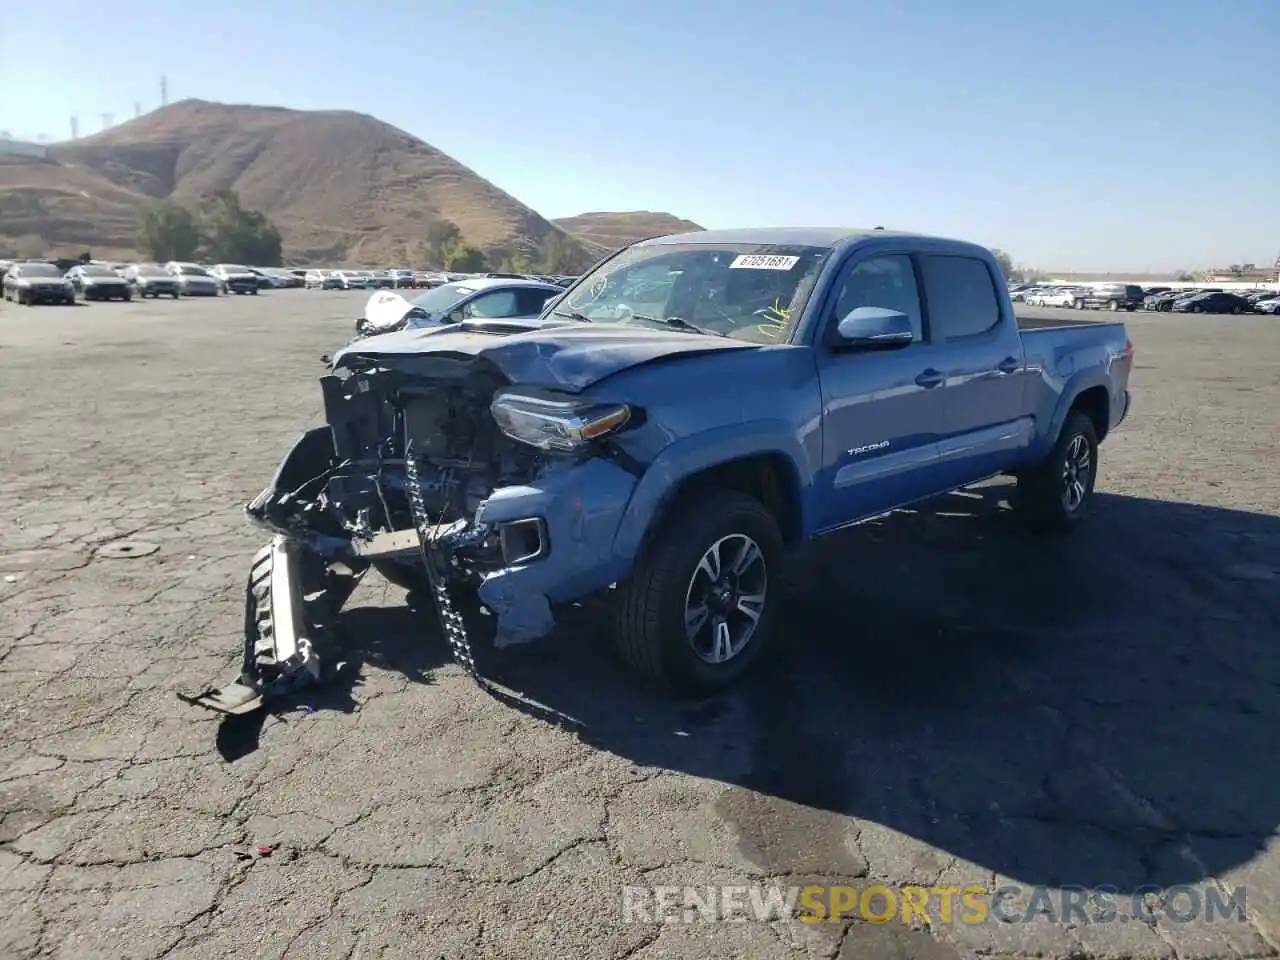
x=745 y=291
x=40 y=270
x=233 y=268
x=193 y=271
x=442 y=299
x=151 y=271
x=97 y=272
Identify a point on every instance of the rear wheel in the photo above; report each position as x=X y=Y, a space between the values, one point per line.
x=694 y=613
x=1054 y=496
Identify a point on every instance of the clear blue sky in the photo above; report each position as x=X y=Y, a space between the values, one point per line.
x=1084 y=135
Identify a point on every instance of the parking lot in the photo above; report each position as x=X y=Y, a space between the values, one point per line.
x=953 y=703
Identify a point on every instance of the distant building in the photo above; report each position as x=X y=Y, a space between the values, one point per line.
x=23 y=148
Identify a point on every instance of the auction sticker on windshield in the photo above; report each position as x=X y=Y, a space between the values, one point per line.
x=759 y=262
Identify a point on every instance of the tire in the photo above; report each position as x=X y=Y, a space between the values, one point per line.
x=1113 y=306
x=176 y=294
x=128 y=297
x=22 y=299
x=1197 y=309
x=1043 y=498
x=650 y=632
x=254 y=291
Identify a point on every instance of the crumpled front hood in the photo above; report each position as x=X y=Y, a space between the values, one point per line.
x=557 y=354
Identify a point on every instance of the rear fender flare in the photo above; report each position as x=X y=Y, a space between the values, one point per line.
x=1078 y=384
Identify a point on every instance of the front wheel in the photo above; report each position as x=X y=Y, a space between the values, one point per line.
x=1054 y=496
x=693 y=615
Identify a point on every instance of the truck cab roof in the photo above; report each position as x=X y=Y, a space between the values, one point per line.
x=832 y=237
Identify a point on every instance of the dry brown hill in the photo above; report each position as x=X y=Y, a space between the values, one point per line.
x=602 y=233
x=341 y=186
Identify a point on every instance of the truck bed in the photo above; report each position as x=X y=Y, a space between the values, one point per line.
x=1055 y=323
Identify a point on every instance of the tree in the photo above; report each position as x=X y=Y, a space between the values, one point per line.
x=30 y=247
x=464 y=258
x=1011 y=271
x=1005 y=263
x=236 y=235
x=442 y=236
x=512 y=263
x=558 y=254
x=168 y=231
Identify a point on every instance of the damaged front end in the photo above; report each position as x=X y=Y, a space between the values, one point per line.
x=434 y=470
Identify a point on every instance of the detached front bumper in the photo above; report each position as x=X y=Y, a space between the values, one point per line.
x=547 y=542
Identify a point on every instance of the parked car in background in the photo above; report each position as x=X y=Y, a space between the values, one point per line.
x=401 y=279
x=193 y=279
x=382 y=280
x=1163 y=302
x=235 y=278
x=1111 y=296
x=1256 y=297
x=322 y=280
x=485 y=298
x=30 y=282
x=1060 y=297
x=94 y=282
x=151 y=280
x=353 y=280
x=1213 y=302
x=1270 y=306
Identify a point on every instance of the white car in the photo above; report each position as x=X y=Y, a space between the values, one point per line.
x=193 y=279
x=1271 y=306
x=322 y=280
x=1057 y=298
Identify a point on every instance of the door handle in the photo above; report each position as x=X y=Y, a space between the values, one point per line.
x=930 y=378
x=1008 y=365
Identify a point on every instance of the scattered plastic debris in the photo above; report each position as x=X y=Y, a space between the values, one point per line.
x=10 y=578
x=305 y=708
x=266 y=849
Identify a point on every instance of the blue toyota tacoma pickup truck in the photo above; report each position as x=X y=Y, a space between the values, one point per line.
x=675 y=423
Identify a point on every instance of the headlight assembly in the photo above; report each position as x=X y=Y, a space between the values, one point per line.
x=554 y=424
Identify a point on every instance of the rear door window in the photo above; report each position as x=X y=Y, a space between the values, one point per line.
x=961 y=296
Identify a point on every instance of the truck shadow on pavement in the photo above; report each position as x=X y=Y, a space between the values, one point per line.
x=1098 y=710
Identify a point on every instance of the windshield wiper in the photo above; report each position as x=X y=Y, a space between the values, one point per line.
x=572 y=315
x=680 y=324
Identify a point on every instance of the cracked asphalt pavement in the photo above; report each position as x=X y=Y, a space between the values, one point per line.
x=952 y=702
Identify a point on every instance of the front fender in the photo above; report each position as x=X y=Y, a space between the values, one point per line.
x=702 y=451
x=306 y=460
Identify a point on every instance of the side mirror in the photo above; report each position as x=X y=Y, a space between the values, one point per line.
x=870 y=328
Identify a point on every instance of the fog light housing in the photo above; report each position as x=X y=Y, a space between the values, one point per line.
x=523 y=541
